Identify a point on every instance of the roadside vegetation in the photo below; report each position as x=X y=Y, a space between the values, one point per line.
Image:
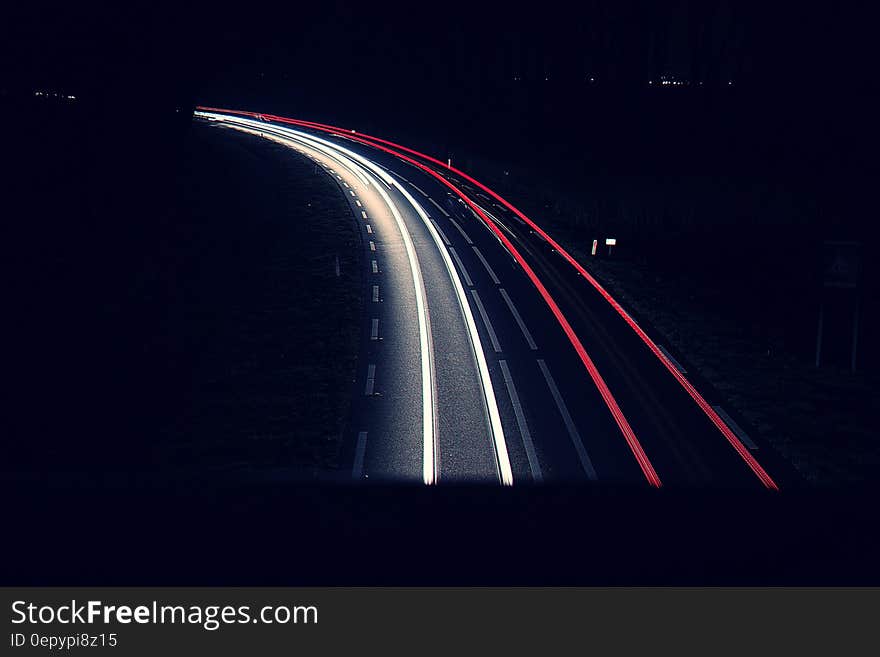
x=260 y=333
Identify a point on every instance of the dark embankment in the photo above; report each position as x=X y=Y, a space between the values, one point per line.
x=176 y=305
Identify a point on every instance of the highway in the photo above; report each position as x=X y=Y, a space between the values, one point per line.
x=489 y=354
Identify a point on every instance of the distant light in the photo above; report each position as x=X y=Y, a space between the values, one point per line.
x=592 y=79
x=611 y=241
x=729 y=82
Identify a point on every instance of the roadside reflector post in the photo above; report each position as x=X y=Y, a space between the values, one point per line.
x=609 y=242
x=595 y=245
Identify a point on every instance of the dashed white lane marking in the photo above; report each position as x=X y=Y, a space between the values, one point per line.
x=363 y=214
x=584 y=458
x=358 y=204
x=345 y=183
x=375 y=266
x=352 y=193
x=340 y=177
x=534 y=466
x=467 y=278
x=371 y=379
x=461 y=230
x=372 y=245
x=672 y=360
x=374 y=330
x=519 y=319
x=437 y=205
x=442 y=234
x=423 y=192
x=489 y=328
x=369 y=229
x=486 y=265
x=375 y=294
x=357 y=468
x=729 y=421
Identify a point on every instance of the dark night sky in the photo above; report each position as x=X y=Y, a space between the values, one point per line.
x=805 y=78
x=174 y=51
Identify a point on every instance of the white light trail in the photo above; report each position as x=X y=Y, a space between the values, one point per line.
x=351 y=159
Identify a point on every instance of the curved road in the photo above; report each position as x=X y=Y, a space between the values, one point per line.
x=490 y=354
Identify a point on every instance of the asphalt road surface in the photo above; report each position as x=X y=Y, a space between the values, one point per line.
x=490 y=355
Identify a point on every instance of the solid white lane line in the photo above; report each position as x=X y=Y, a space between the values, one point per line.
x=519 y=319
x=375 y=266
x=502 y=458
x=426 y=351
x=486 y=322
x=372 y=245
x=442 y=234
x=369 y=229
x=583 y=457
x=467 y=278
x=357 y=468
x=672 y=360
x=486 y=265
x=429 y=460
x=363 y=214
x=375 y=294
x=461 y=230
x=532 y=457
x=742 y=435
x=371 y=379
x=424 y=193
x=438 y=206
x=374 y=330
